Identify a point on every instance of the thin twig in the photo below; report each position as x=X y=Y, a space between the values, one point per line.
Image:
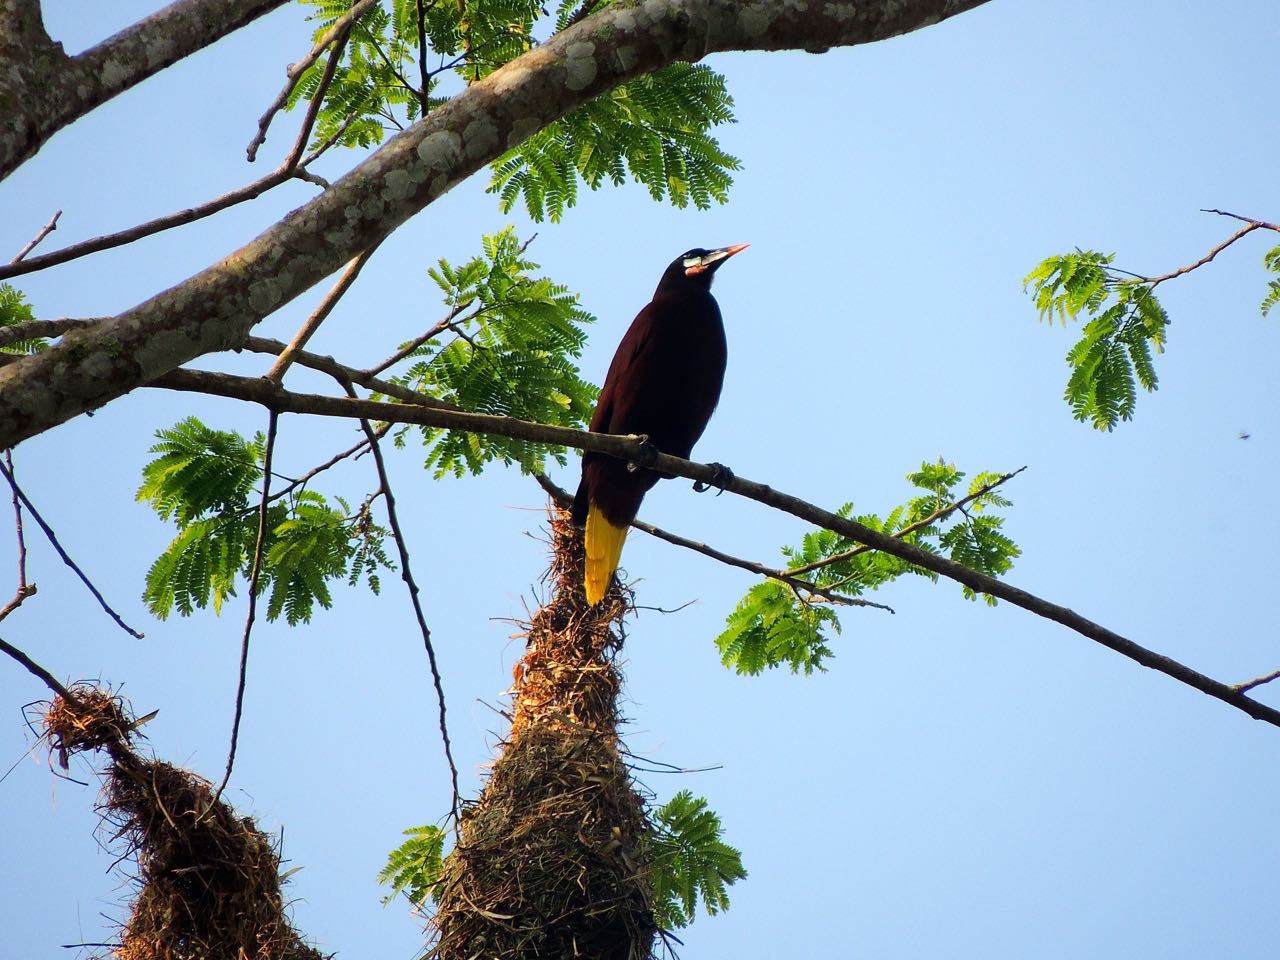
x=292 y=168
x=254 y=575
x=158 y=225
x=424 y=101
x=630 y=448
x=406 y=574
x=340 y=372
x=939 y=514
x=292 y=161
x=337 y=33
x=24 y=591
x=290 y=353
x=440 y=327
x=1264 y=224
x=1256 y=682
x=49 y=679
x=34 y=242
x=17 y=523
x=564 y=500
x=57 y=546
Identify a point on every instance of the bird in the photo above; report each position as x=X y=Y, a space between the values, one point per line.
x=664 y=383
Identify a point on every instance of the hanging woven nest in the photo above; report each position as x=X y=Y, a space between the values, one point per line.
x=208 y=882
x=551 y=859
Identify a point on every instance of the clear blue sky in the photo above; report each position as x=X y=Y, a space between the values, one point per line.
x=965 y=781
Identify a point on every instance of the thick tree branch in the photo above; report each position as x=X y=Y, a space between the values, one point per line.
x=44 y=90
x=630 y=448
x=215 y=309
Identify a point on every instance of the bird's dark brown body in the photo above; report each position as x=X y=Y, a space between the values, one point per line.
x=664 y=382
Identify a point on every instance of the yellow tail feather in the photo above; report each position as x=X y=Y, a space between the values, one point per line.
x=603 y=542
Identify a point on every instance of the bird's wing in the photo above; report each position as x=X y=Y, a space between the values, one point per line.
x=612 y=411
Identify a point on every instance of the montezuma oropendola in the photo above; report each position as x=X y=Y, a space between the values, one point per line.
x=664 y=382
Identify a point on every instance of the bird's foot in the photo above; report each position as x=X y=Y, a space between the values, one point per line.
x=721 y=480
x=646 y=456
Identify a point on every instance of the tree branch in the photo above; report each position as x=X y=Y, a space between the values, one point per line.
x=337 y=35
x=215 y=309
x=66 y=558
x=630 y=448
x=255 y=574
x=939 y=514
x=562 y=498
x=45 y=90
x=406 y=574
x=34 y=242
x=290 y=353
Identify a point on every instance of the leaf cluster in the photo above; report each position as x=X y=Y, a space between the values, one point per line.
x=689 y=861
x=775 y=625
x=14 y=309
x=414 y=868
x=653 y=130
x=204 y=481
x=1271 y=261
x=508 y=348
x=1114 y=354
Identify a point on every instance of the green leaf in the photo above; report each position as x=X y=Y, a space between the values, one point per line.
x=689 y=861
x=203 y=481
x=414 y=867
x=510 y=350
x=199 y=471
x=774 y=626
x=653 y=129
x=1271 y=260
x=1113 y=357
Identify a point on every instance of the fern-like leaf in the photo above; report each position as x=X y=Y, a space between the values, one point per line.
x=690 y=862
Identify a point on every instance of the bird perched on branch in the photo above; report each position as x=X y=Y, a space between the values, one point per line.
x=664 y=382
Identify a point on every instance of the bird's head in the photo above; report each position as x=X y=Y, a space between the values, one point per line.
x=697 y=267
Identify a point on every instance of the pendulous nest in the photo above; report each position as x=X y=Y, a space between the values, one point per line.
x=208 y=882
x=550 y=860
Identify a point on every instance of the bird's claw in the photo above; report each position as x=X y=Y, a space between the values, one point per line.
x=721 y=480
x=646 y=455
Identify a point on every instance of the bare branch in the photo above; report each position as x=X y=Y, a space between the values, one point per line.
x=40 y=102
x=34 y=242
x=57 y=546
x=290 y=353
x=406 y=574
x=35 y=669
x=341 y=373
x=254 y=575
x=630 y=448
x=1256 y=682
x=215 y=309
x=563 y=499
x=18 y=531
x=416 y=342
x=24 y=591
x=108 y=241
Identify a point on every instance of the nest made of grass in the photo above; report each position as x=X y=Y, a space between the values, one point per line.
x=208 y=881
x=550 y=860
